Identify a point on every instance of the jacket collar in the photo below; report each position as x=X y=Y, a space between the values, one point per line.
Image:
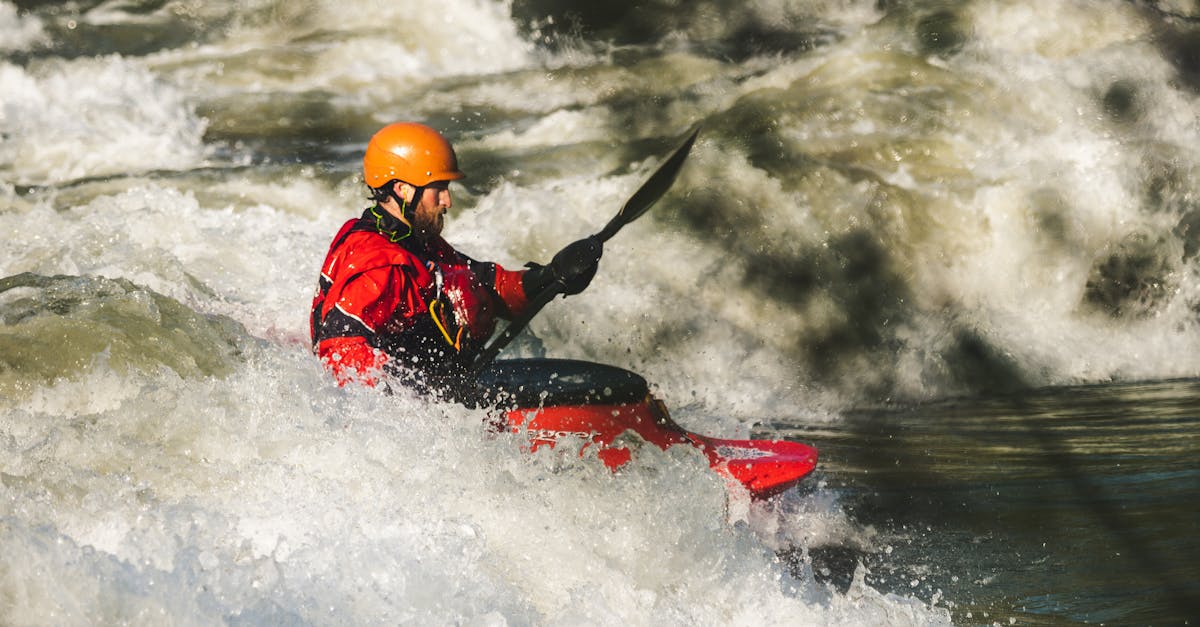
x=378 y=220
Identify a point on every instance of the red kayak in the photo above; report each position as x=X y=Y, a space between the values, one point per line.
x=551 y=399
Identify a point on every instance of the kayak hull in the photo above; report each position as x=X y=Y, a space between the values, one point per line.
x=549 y=400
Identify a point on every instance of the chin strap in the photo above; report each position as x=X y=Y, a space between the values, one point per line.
x=409 y=211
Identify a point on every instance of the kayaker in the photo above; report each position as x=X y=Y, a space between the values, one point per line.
x=395 y=301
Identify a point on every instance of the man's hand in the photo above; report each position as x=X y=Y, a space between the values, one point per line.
x=576 y=264
x=573 y=268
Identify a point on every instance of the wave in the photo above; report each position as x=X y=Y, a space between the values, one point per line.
x=63 y=327
x=66 y=120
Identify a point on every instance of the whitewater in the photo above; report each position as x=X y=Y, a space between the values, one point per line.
x=891 y=205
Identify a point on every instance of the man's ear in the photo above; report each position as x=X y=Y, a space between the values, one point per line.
x=405 y=191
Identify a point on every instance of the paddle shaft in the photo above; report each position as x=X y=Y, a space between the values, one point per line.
x=638 y=204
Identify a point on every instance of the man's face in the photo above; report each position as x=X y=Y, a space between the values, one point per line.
x=429 y=214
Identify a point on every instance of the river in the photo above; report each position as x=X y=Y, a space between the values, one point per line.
x=954 y=245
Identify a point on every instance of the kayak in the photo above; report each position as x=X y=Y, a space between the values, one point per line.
x=549 y=400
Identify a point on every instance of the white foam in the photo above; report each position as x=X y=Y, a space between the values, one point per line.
x=273 y=493
x=1002 y=182
x=365 y=53
x=19 y=32
x=244 y=259
x=65 y=120
x=1041 y=32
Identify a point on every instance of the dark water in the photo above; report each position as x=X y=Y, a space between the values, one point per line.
x=1057 y=506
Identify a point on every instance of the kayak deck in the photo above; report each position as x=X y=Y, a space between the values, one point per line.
x=552 y=399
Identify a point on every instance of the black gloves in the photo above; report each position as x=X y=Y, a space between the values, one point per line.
x=573 y=267
x=576 y=264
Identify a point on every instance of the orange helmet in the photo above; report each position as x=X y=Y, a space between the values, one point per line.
x=410 y=152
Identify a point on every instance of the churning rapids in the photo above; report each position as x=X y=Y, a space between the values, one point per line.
x=955 y=245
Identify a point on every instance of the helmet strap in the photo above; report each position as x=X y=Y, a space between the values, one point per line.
x=408 y=210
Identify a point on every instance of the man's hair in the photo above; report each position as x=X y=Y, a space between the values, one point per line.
x=383 y=192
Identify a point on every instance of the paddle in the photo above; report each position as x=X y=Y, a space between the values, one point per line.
x=638 y=204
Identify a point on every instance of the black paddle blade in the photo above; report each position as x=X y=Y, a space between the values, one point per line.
x=652 y=189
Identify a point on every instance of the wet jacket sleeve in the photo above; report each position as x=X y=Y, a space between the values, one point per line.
x=506 y=285
x=352 y=359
